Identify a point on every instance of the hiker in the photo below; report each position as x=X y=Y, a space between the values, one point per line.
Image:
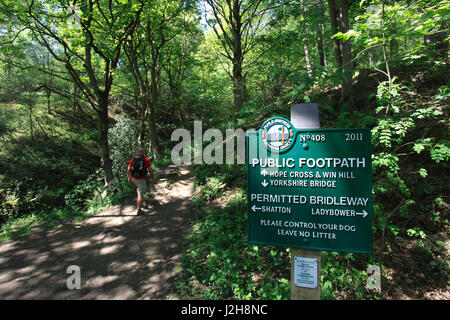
x=137 y=173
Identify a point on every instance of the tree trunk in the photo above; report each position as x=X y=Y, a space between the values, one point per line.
x=371 y=57
x=104 y=143
x=239 y=87
x=142 y=96
x=342 y=49
x=320 y=46
x=305 y=44
x=30 y=114
x=178 y=108
x=334 y=29
x=239 y=90
x=154 y=142
x=320 y=35
x=393 y=43
x=49 y=95
x=308 y=59
x=393 y=49
x=142 y=126
x=347 y=66
x=143 y=111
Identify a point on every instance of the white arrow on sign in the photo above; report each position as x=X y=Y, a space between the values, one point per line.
x=254 y=208
x=364 y=213
x=264 y=172
x=264 y=183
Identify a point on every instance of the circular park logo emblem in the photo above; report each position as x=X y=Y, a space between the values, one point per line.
x=277 y=134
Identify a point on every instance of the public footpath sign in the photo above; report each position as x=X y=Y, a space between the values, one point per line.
x=309 y=188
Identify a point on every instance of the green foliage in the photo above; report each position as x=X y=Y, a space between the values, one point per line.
x=105 y=197
x=344 y=276
x=123 y=143
x=87 y=197
x=387 y=24
x=212 y=188
x=77 y=198
x=219 y=263
x=38 y=173
x=443 y=95
x=421 y=144
x=388 y=96
x=218 y=176
x=404 y=149
x=440 y=151
x=416 y=232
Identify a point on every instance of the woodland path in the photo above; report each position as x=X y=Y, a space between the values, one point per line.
x=120 y=255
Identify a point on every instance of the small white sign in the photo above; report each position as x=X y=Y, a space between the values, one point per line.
x=305 y=272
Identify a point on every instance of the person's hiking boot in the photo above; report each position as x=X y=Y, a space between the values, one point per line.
x=140 y=212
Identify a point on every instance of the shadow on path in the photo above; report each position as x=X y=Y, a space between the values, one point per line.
x=121 y=255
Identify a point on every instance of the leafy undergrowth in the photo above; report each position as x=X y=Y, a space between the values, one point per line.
x=220 y=264
x=87 y=197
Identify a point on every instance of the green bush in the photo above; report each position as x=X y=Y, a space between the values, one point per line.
x=87 y=197
x=344 y=276
x=38 y=173
x=396 y=138
x=123 y=143
x=86 y=189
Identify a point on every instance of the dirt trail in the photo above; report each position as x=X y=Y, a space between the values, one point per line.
x=121 y=255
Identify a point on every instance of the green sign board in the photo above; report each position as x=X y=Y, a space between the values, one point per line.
x=309 y=188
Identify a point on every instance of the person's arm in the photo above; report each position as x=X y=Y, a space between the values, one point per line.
x=152 y=173
x=129 y=174
x=150 y=169
x=129 y=171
